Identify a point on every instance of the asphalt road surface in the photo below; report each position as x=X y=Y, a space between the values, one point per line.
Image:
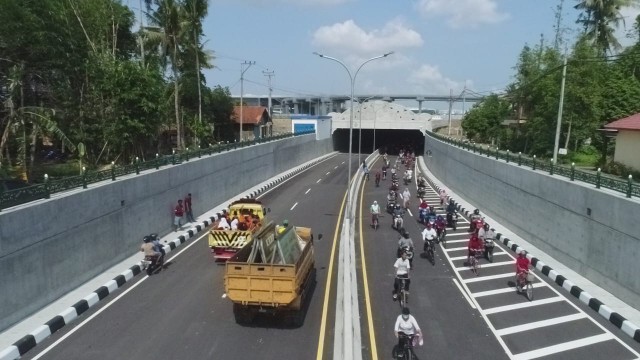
x=182 y=313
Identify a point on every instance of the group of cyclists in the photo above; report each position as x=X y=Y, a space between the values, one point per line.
x=481 y=234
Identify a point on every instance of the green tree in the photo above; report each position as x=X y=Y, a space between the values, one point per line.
x=484 y=121
x=600 y=19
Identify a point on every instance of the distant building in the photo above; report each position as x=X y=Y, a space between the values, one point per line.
x=627 y=140
x=256 y=122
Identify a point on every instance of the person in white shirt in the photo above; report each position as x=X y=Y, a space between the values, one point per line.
x=375 y=211
x=406 y=195
x=223 y=224
x=429 y=233
x=402 y=266
x=406 y=324
x=234 y=223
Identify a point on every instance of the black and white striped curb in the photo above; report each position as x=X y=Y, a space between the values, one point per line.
x=28 y=342
x=615 y=318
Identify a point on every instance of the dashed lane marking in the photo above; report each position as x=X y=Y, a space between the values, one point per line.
x=336 y=167
x=488 y=277
x=307 y=192
x=409 y=211
x=294 y=205
x=328 y=172
x=502 y=263
x=318 y=181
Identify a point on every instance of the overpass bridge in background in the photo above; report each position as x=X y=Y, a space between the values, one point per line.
x=323 y=105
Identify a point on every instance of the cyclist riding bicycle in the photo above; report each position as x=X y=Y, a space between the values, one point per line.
x=402 y=266
x=406 y=325
x=522 y=268
x=375 y=211
x=475 y=244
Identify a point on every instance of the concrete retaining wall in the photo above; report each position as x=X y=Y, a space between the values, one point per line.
x=553 y=214
x=49 y=247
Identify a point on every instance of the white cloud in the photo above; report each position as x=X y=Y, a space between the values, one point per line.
x=428 y=79
x=465 y=13
x=348 y=38
x=629 y=15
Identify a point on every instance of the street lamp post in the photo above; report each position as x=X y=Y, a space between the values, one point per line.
x=360 y=126
x=353 y=80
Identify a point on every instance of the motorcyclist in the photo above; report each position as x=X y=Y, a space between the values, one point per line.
x=157 y=246
x=375 y=211
x=451 y=208
x=148 y=249
x=384 y=172
x=406 y=325
x=398 y=214
x=474 y=219
x=402 y=266
x=475 y=244
x=522 y=268
x=406 y=195
x=443 y=196
x=424 y=204
x=405 y=241
x=422 y=182
x=429 y=234
x=441 y=224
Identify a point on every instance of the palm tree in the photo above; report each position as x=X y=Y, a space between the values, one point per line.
x=195 y=11
x=600 y=19
x=167 y=17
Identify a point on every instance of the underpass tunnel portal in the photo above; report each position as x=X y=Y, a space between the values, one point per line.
x=389 y=140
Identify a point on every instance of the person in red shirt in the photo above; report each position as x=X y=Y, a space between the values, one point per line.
x=178 y=213
x=187 y=208
x=522 y=268
x=475 y=244
x=423 y=204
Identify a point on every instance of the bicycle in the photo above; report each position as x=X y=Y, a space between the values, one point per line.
x=474 y=263
x=429 y=249
x=524 y=281
x=403 y=294
x=405 y=351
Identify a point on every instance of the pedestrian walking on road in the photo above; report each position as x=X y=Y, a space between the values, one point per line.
x=188 y=209
x=178 y=213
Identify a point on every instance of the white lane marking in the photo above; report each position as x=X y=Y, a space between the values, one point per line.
x=488 y=277
x=342 y=163
x=503 y=290
x=523 y=305
x=409 y=211
x=318 y=181
x=533 y=354
x=224 y=296
x=106 y=306
x=539 y=324
x=307 y=191
x=494 y=254
x=464 y=293
x=456 y=249
x=463 y=268
x=336 y=167
x=328 y=172
x=456 y=241
x=294 y=205
x=552 y=288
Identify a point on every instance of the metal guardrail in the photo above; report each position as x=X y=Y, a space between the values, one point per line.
x=44 y=190
x=628 y=187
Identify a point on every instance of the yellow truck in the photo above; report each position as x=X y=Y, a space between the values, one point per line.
x=274 y=273
x=224 y=241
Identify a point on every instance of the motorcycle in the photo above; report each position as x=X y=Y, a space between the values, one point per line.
x=422 y=215
x=476 y=224
x=452 y=220
x=407 y=179
x=422 y=191
x=441 y=229
x=398 y=221
x=391 y=205
x=488 y=249
x=409 y=251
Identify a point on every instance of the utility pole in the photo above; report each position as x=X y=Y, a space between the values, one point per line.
x=140 y=35
x=242 y=71
x=559 y=123
x=450 y=108
x=269 y=74
x=464 y=97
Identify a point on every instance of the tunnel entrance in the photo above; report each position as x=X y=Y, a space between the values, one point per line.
x=388 y=140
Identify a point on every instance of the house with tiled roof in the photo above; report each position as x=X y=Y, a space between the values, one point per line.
x=627 y=140
x=256 y=122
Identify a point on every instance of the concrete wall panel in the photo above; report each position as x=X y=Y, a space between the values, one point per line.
x=552 y=213
x=49 y=247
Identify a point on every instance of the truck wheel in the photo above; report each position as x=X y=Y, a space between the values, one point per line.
x=242 y=314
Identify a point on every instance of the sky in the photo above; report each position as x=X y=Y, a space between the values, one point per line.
x=438 y=45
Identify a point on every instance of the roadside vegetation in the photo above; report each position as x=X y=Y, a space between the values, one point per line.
x=602 y=85
x=83 y=84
